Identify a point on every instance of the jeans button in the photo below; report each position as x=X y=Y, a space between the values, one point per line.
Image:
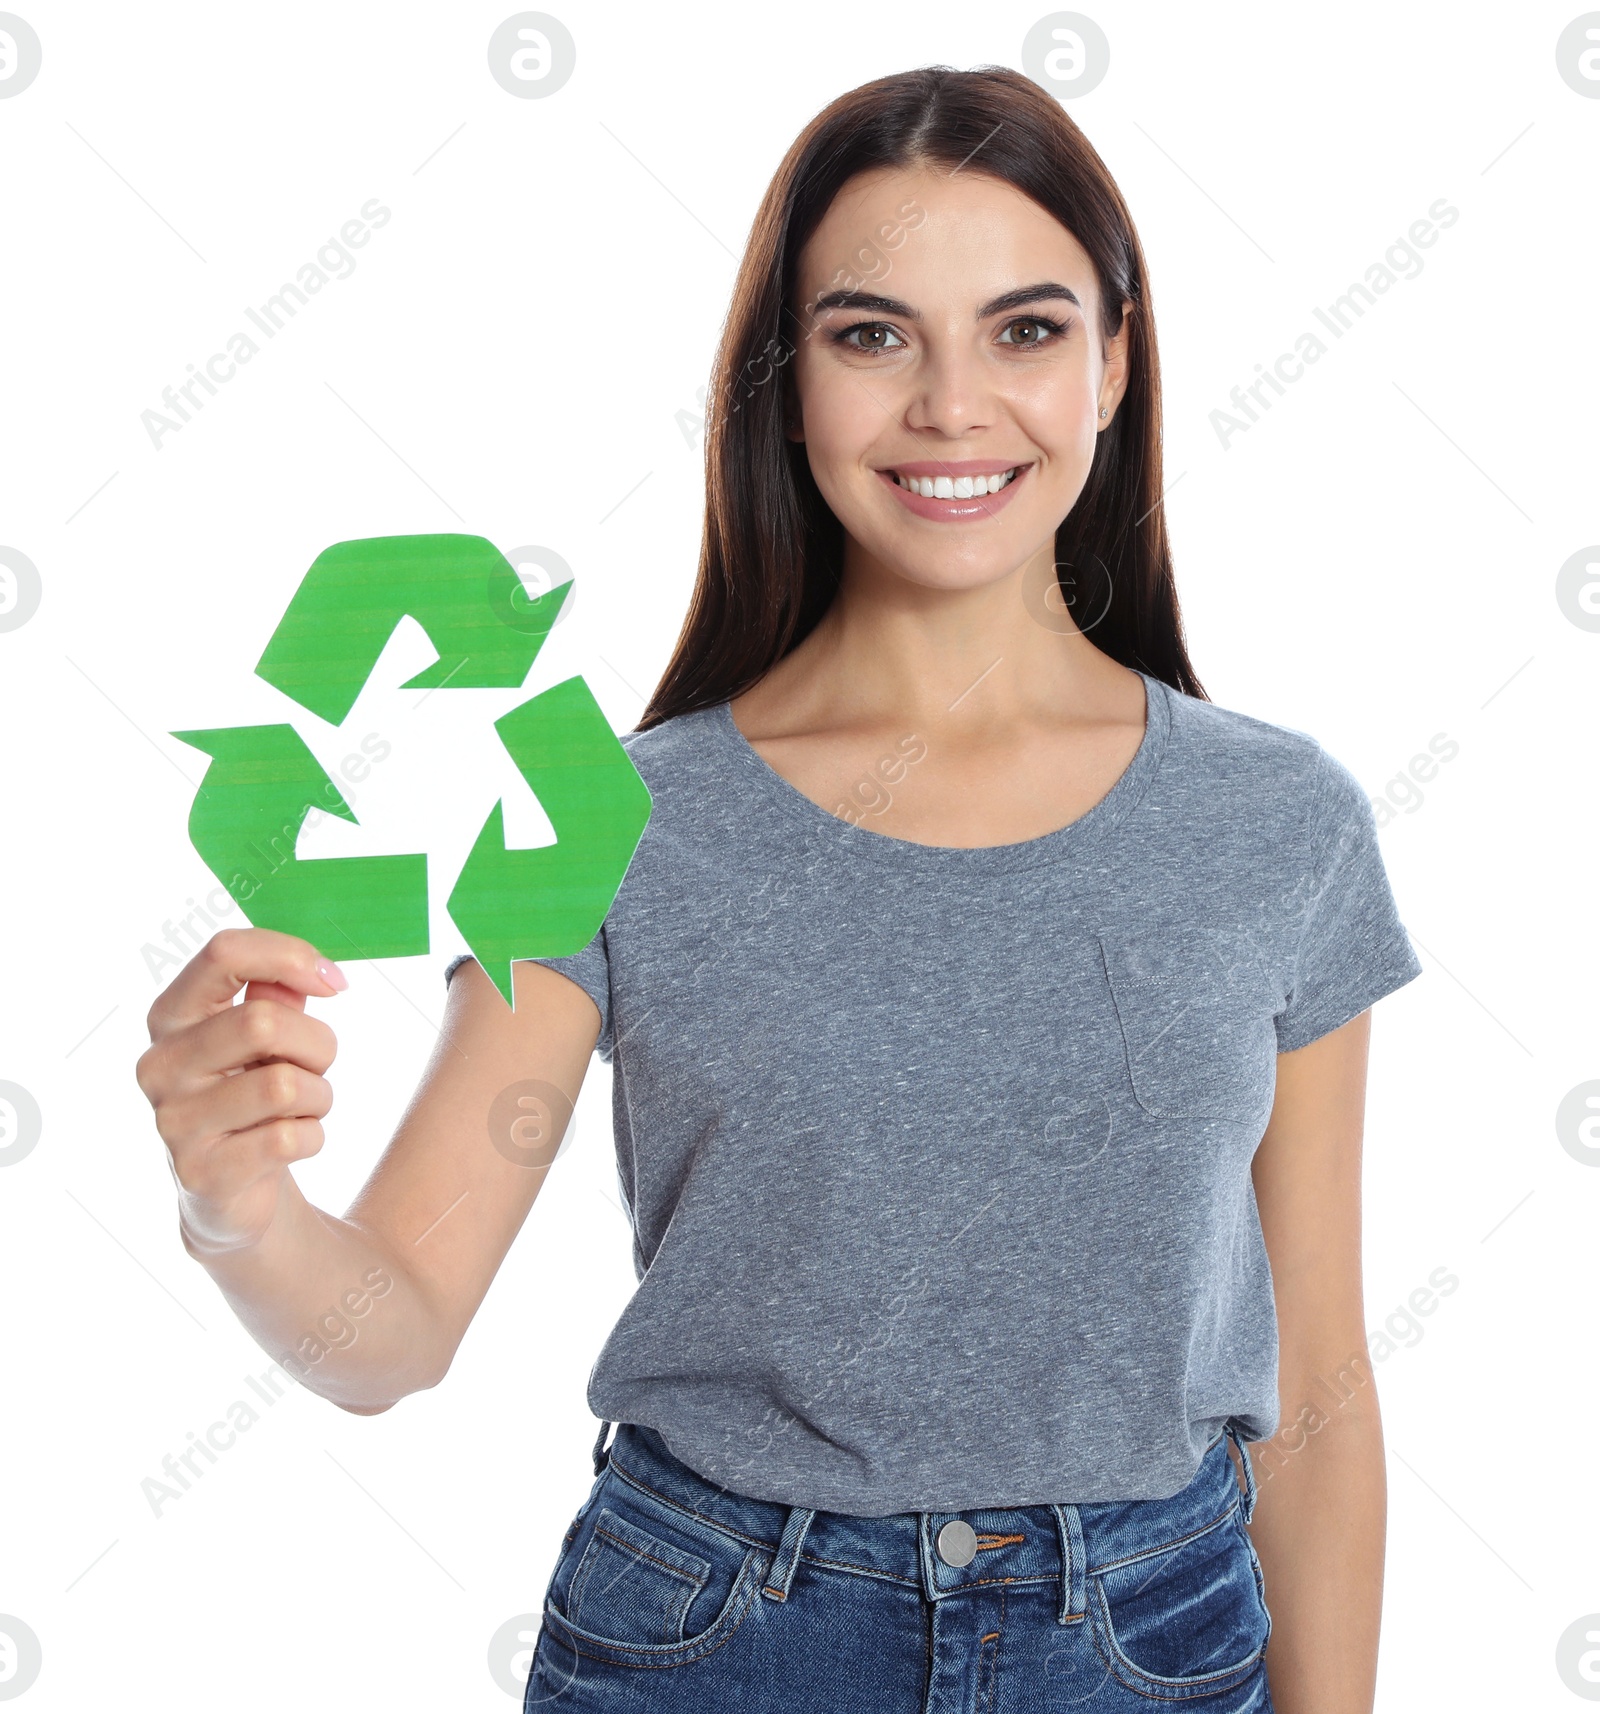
x=957 y=1543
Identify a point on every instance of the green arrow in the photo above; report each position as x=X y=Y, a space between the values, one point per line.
x=549 y=902
x=461 y=589
x=244 y=823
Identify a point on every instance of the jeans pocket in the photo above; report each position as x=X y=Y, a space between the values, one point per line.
x=631 y=1584
x=642 y=1583
x=1186 y=1620
x=1196 y=1017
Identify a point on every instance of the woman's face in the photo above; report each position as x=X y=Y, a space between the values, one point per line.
x=948 y=332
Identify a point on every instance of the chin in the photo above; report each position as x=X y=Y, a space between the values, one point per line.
x=955 y=567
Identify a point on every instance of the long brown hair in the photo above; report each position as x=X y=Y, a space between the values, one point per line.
x=772 y=551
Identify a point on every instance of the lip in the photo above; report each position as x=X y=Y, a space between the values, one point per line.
x=958 y=467
x=954 y=511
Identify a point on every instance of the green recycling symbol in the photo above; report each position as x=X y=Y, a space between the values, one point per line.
x=262 y=780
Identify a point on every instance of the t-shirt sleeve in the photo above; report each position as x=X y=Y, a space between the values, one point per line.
x=1352 y=947
x=589 y=967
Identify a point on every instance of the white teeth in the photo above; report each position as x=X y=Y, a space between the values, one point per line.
x=956 y=488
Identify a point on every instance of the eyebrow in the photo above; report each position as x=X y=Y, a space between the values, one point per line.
x=893 y=306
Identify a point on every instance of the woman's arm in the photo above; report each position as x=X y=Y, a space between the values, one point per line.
x=1319 y=1522
x=371 y=1307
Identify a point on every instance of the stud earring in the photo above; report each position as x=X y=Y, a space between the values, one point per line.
x=1103 y=410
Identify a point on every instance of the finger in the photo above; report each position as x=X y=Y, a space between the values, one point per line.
x=251 y=1033
x=228 y=961
x=223 y=1172
x=279 y=991
x=228 y=1104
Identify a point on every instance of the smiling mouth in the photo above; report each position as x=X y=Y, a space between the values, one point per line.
x=956 y=487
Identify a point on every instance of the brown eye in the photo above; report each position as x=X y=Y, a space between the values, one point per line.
x=875 y=333
x=1040 y=330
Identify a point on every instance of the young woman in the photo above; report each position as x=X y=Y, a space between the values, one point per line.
x=988 y=1014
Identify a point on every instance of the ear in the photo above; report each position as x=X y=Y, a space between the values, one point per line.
x=1114 y=373
x=793 y=427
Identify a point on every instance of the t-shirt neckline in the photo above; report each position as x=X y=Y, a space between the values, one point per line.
x=868 y=845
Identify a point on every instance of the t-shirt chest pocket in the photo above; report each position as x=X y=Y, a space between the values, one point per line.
x=1196 y=1017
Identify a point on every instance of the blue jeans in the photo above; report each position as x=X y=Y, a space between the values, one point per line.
x=671 y=1593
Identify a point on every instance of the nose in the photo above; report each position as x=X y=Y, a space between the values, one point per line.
x=952 y=393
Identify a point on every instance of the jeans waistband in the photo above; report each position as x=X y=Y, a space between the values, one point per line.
x=1019 y=1544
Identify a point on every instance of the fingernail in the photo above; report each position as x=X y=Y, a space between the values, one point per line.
x=332 y=974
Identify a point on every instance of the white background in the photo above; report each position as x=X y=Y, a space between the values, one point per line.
x=1374 y=562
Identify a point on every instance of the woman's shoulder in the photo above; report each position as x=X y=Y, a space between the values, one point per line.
x=1247 y=762
x=682 y=743
x=1214 y=733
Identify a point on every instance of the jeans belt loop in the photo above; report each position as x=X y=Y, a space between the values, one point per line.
x=601 y=1452
x=1074 y=1566
x=1249 y=1473
x=787 y=1557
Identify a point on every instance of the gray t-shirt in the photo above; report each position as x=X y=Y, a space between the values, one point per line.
x=938 y=1159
